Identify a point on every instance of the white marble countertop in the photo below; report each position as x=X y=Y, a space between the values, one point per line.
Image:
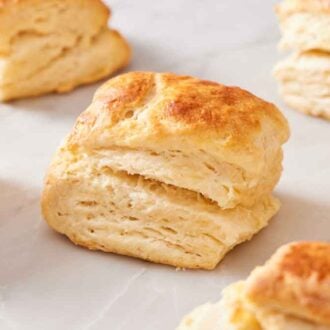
x=46 y=282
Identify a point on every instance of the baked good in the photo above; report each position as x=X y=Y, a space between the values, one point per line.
x=290 y=292
x=167 y=168
x=295 y=281
x=305 y=24
x=101 y=209
x=54 y=46
x=304 y=80
x=304 y=77
x=230 y=313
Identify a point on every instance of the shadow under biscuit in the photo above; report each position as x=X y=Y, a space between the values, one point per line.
x=14 y=199
x=303 y=219
x=299 y=219
x=56 y=106
x=19 y=225
x=59 y=106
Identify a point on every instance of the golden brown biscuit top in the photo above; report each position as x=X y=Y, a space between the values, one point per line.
x=288 y=7
x=160 y=105
x=307 y=259
x=8 y=3
x=5 y=3
x=297 y=280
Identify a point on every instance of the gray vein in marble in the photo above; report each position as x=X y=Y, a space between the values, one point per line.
x=127 y=321
x=107 y=307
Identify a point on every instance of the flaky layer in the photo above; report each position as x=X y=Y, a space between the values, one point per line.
x=63 y=19
x=220 y=141
x=54 y=46
x=204 y=317
x=127 y=214
x=305 y=24
x=196 y=170
x=279 y=321
x=229 y=313
x=304 y=80
x=83 y=63
x=305 y=31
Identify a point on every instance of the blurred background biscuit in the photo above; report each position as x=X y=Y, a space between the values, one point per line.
x=304 y=81
x=304 y=77
x=291 y=291
x=305 y=24
x=54 y=46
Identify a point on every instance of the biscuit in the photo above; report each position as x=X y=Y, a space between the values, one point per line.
x=54 y=46
x=304 y=82
x=305 y=24
x=295 y=281
x=204 y=317
x=229 y=313
x=139 y=173
x=290 y=292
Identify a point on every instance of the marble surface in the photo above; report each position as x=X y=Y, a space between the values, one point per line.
x=46 y=282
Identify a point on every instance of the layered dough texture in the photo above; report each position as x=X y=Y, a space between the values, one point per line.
x=54 y=46
x=223 y=182
x=290 y=292
x=304 y=77
x=305 y=25
x=114 y=211
x=167 y=168
x=305 y=82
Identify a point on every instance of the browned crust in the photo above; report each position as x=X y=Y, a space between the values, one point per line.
x=8 y=3
x=296 y=281
x=176 y=106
